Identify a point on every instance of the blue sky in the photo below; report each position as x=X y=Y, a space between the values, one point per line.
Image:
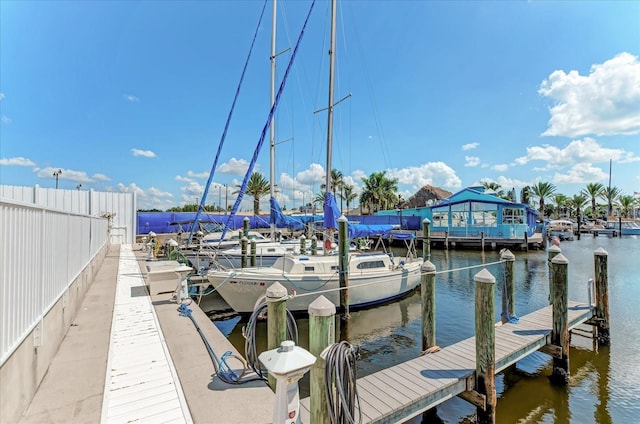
x=134 y=96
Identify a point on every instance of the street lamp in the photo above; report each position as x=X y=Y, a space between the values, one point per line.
x=78 y=187
x=57 y=174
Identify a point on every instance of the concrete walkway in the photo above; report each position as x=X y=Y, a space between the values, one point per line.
x=74 y=386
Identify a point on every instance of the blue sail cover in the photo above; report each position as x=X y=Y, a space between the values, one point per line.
x=280 y=219
x=331 y=211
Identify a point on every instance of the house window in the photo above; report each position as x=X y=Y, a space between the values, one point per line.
x=484 y=214
x=512 y=216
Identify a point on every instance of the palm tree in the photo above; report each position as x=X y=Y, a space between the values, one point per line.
x=592 y=191
x=337 y=183
x=627 y=204
x=578 y=201
x=610 y=194
x=543 y=190
x=560 y=200
x=379 y=191
x=525 y=194
x=493 y=186
x=257 y=186
x=348 y=195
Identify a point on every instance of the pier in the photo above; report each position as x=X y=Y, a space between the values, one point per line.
x=405 y=390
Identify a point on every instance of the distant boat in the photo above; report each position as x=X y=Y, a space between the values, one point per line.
x=629 y=228
x=561 y=228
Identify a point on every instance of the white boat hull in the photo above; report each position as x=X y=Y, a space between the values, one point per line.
x=243 y=288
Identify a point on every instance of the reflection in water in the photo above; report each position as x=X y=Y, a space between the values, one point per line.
x=603 y=386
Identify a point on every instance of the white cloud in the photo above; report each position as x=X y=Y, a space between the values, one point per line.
x=101 y=177
x=437 y=174
x=312 y=176
x=5 y=119
x=19 y=161
x=577 y=151
x=582 y=173
x=192 y=174
x=66 y=174
x=606 y=102
x=500 y=167
x=131 y=98
x=470 y=146
x=145 y=153
x=471 y=161
x=235 y=167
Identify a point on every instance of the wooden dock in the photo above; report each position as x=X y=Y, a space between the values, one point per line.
x=403 y=391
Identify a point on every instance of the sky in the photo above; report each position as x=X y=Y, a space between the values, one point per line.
x=134 y=96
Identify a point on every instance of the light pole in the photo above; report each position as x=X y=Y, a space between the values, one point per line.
x=78 y=187
x=57 y=175
x=226 y=199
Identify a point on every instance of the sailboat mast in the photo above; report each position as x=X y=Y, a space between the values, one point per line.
x=332 y=55
x=272 y=128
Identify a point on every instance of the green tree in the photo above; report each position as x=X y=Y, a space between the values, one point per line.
x=348 y=195
x=610 y=194
x=626 y=203
x=560 y=200
x=495 y=187
x=542 y=191
x=525 y=195
x=578 y=201
x=379 y=191
x=257 y=186
x=593 y=191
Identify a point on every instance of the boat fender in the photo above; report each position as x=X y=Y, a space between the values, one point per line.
x=327 y=244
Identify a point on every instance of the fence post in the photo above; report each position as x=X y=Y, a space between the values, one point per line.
x=508 y=291
x=553 y=251
x=276 y=320
x=322 y=333
x=485 y=344
x=602 y=295
x=428 y=296
x=560 y=330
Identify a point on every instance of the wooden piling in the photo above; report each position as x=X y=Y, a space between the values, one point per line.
x=482 y=240
x=553 y=251
x=508 y=292
x=314 y=245
x=560 y=325
x=303 y=244
x=526 y=242
x=428 y=297
x=276 y=320
x=426 y=239
x=253 y=253
x=244 y=241
x=485 y=345
x=446 y=240
x=245 y=227
x=343 y=262
x=602 y=295
x=322 y=333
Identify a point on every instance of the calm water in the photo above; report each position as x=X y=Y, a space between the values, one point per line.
x=604 y=380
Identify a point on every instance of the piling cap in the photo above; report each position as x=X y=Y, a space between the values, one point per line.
x=322 y=307
x=507 y=255
x=172 y=243
x=555 y=248
x=426 y=221
x=484 y=276
x=559 y=259
x=276 y=292
x=342 y=218
x=427 y=266
x=600 y=252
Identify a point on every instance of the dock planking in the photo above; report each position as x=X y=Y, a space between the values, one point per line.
x=405 y=390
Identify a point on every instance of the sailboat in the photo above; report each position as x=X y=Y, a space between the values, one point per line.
x=374 y=277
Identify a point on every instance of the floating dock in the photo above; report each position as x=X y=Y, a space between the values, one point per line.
x=403 y=391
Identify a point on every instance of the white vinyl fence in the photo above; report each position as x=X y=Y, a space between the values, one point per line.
x=42 y=251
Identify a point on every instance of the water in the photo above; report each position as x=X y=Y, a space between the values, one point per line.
x=604 y=380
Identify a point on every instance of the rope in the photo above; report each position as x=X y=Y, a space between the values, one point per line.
x=249 y=333
x=341 y=371
x=222 y=368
